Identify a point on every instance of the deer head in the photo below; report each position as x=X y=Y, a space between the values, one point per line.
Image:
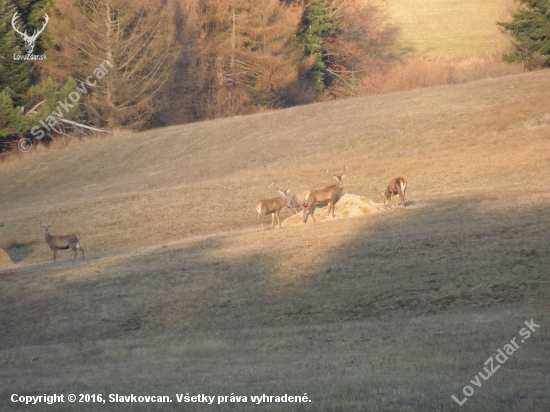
x=29 y=40
x=283 y=193
x=46 y=228
x=339 y=177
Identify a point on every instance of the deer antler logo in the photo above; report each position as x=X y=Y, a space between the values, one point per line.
x=29 y=40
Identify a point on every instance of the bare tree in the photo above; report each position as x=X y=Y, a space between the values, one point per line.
x=138 y=38
x=239 y=54
x=364 y=37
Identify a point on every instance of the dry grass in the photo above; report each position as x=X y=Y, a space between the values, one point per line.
x=419 y=72
x=454 y=29
x=5 y=260
x=390 y=311
x=349 y=205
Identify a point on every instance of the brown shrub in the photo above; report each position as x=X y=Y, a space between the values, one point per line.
x=415 y=73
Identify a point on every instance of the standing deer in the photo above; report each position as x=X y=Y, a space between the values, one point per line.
x=57 y=242
x=272 y=205
x=397 y=186
x=329 y=195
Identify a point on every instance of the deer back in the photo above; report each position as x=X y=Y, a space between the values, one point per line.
x=62 y=241
x=299 y=200
x=271 y=205
x=396 y=186
x=326 y=194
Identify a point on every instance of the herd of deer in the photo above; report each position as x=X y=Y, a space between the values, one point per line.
x=302 y=201
x=327 y=196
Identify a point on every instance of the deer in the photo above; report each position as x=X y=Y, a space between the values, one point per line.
x=29 y=40
x=272 y=205
x=329 y=195
x=298 y=202
x=65 y=242
x=397 y=186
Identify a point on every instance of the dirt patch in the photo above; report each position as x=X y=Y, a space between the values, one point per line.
x=5 y=261
x=347 y=206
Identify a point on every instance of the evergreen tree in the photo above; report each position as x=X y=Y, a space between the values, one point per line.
x=15 y=75
x=316 y=25
x=530 y=26
x=14 y=122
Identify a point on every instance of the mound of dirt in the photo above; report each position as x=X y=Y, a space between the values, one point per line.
x=347 y=206
x=5 y=261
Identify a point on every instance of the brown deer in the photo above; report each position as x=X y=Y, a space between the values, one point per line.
x=397 y=186
x=272 y=205
x=298 y=202
x=57 y=242
x=329 y=195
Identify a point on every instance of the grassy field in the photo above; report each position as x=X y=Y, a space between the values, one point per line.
x=453 y=29
x=179 y=294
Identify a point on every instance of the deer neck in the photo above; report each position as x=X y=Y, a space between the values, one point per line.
x=284 y=199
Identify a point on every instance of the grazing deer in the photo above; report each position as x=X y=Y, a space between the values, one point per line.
x=329 y=195
x=298 y=201
x=62 y=242
x=272 y=205
x=397 y=186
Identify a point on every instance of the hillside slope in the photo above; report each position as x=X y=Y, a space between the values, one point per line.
x=387 y=311
x=452 y=28
x=204 y=177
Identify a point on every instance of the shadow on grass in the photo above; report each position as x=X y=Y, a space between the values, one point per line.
x=458 y=257
x=411 y=263
x=19 y=251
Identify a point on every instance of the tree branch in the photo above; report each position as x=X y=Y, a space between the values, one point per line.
x=83 y=126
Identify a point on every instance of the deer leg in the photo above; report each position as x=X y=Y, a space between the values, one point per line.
x=278 y=220
x=75 y=253
x=311 y=211
x=263 y=226
x=54 y=255
x=82 y=250
x=262 y=213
